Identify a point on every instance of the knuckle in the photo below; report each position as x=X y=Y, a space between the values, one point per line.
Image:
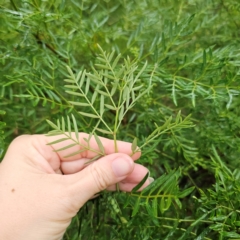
x=19 y=142
x=21 y=138
x=100 y=177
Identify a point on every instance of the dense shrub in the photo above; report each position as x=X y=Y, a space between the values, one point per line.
x=183 y=59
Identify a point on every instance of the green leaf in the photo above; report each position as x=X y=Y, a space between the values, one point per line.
x=102 y=92
x=123 y=220
x=162 y=205
x=108 y=76
x=186 y=192
x=178 y=202
x=155 y=207
x=121 y=112
x=133 y=96
x=52 y=125
x=111 y=56
x=95 y=79
x=137 y=88
x=134 y=145
x=126 y=202
x=125 y=93
x=168 y=203
x=69 y=126
x=170 y=183
x=202 y=235
x=174 y=93
x=104 y=131
x=90 y=115
x=69 y=81
x=140 y=184
x=54 y=133
x=63 y=124
x=110 y=107
x=155 y=185
x=75 y=127
x=136 y=207
x=101 y=105
x=101 y=50
x=58 y=124
x=79 y=104
x=87 y=86
x=87 y=140
x=219 y=218
x=204 y=58
x=75 y=93
x=78 y=76
x=199 y=219
x=99 y=143
x=127 y=101
x=230 y=234
x=54 y=96
x=236 y=223
x=94 y=159
x=187 y=233
x=114 y=64
x=66 y=147
x=71 y=86
x=82 y=80
x=149 y=209
x=94 y=96
x=75 y=153
x=101 y=66
x=70 y=72
x=114 y=87
x=141 y=71
x=57 y=141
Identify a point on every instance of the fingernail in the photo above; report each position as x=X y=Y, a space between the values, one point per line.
x=122 y=166
x=150 y=179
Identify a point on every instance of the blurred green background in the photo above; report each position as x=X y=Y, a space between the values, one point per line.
x=192 y=49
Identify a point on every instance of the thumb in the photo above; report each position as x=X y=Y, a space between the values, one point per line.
x=96 y=177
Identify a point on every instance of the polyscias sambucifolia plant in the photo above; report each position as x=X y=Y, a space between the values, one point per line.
x=117 y=89
x=157 y=59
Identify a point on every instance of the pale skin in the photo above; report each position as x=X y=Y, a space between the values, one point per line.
x=41 y=191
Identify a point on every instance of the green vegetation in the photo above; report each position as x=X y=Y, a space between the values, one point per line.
x=161 y=74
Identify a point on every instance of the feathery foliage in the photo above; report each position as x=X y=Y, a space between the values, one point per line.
x=163 y=75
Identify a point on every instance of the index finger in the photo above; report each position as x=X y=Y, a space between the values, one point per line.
x=89 y=146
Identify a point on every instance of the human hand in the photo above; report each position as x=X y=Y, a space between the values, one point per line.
x=40 y=190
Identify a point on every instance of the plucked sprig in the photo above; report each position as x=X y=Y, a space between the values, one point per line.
x=116 y=89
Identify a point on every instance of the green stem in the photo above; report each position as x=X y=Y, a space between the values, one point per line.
x=116 y=129
x=14 y=5
x=115 y=142
x=116 y=121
